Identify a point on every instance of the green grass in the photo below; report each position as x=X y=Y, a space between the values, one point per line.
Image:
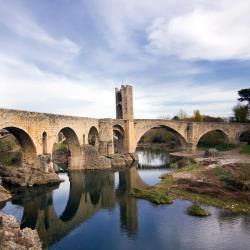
x=196 y=210
x=245 y=150
x=229 y=181
x=235 y=206
x=157 y=197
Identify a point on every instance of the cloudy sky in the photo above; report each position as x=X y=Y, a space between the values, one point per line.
x=66 y=56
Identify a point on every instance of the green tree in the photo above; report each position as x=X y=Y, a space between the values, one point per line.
x=244 y=95
x=197 y=116
x=240 y=113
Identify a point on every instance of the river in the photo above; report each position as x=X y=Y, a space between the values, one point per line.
x=93 y=210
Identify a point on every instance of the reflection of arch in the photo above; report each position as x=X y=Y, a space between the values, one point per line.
x=118 y=137
x=45 y=139
x=221 y=131
x=75 y=193
x=29 y=154
x=119 y=111
x=74 y=148
x=179 y=138
x=93 y=137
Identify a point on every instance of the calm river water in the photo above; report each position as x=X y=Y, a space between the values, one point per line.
x=93 y=210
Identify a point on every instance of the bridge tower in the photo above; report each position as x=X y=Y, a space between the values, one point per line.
x=124 y=102
x=125 y=111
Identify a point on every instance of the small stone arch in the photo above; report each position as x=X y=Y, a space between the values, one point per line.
x=93 y=137
x=118 y=139
x=72 y=144
x=29 y=151
x=222 y=131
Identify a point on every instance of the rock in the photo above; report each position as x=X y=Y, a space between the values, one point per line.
x=123 y=160
x=118 y=160
x=4 y=194
x=12 y=237
x=28 y=176
x=93 y=160
x=212 y=152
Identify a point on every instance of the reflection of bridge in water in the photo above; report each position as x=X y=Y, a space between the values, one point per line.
x=89 y=192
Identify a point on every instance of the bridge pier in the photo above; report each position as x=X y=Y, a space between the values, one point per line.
x=106 y=145
x=130 y=143
x=45 y=162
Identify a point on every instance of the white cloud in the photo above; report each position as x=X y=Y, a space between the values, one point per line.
x=217 y=32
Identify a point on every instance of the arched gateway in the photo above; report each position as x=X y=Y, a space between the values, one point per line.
x=38 y=132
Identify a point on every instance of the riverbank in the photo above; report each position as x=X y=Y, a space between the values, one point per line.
x=12 y=237
x=223 y=181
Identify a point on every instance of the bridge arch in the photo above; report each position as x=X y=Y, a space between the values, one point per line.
x=222 y=132
x=70 y=138
x=180 y=139
x=244 y=136
x=29 y=151
x=119 y=139
x=93 y=137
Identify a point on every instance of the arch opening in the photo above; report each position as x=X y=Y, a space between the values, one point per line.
x=215 y=139
x=67 y=151
x=163 y=137
x=17 y=147
x=118 y=139
x=245 y=137
x=154 y=146
x=93 y=137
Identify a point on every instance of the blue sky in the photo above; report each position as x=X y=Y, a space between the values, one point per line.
x=66 y=56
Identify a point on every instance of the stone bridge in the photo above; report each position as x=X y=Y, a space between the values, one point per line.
x=37 y=133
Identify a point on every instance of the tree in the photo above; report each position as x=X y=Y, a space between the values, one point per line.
x=182 y=114
x=197 y=116
x=240 y=113
x=244 y=95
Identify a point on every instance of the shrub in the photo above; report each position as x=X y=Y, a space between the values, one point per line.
x=196 y=210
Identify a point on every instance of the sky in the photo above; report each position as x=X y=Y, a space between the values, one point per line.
x=67 y=57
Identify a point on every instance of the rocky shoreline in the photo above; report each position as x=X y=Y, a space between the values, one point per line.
x=14 y=238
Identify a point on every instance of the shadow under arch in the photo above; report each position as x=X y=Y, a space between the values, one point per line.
x=75 y=155
x=214 y=137
x=245 y=136
x=179 y=139
x=119 y=139
x=29 y=153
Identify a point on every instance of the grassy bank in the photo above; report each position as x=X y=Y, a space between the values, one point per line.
x=223 y=187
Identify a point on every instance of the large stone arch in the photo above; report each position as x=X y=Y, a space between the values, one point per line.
x=29 y=151
x=139 y=132
x=223 y=131
x=76 y=159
